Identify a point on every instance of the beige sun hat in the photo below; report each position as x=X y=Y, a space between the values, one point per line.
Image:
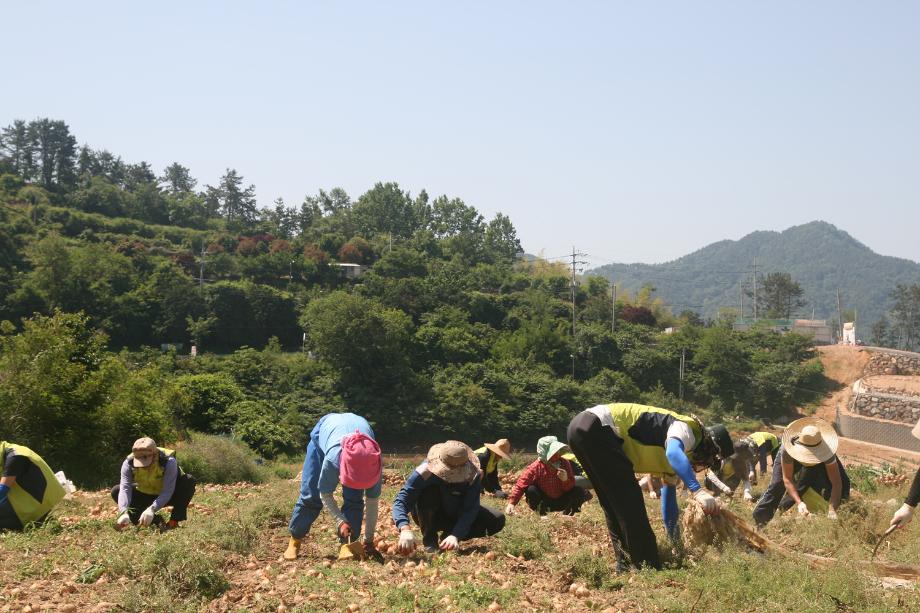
x=810 y=440
x=453 y=461
x=916 y=430
x=143 y=452
x=501 y=447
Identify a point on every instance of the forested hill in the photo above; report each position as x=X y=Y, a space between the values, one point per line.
x=818 y=256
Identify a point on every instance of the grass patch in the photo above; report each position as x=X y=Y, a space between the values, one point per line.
x=190 y=571
x=524 y=539
x=594 y=571
x=218 y=459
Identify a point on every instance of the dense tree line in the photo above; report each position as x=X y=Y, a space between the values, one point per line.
x=447 y=332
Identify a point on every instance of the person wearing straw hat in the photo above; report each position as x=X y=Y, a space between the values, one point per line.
x=490 y=454
x=904 y=514
x=548 y=483
x=342 y=449
x=28 y=487
x=151 y=479
x=807 y=474
x=442 y=495
x=615 y=441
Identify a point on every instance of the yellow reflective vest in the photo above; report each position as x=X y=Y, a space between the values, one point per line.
x=150 y=480
x=644 y=430
x=762 y=437
x=37 y=491
x=492 y=465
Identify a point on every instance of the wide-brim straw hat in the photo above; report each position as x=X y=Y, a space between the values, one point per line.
x=810 y=440
x=916 y=430
x=501 y=447
x=453 y=461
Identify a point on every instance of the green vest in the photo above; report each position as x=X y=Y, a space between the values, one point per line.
x=571 y=458
x=35 y=493
x=492 y=464
x=762 y=437
x=150 y=480
x=644 y=430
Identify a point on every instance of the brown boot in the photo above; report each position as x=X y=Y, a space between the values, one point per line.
x=292 y=550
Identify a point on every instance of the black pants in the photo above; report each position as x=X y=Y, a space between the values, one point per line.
x=432 y=519
x=601 y=455
x=569 y=503
x=764 y=450
x=814 y=477
x=8 y=518
x=182 y=495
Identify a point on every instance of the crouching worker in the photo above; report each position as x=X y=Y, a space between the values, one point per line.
x=151 y=480
x=342 y=450
x=613 y=442
x=734 y=471
x=806 y=474
x=905 y=513
x=489 y=456
x=548 y=483
x=442 y=495
x=28 y=488
x=766 y=445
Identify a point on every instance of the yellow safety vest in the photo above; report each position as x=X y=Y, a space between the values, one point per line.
x=571 y=458
x=644 y=432
x=35 y=493
x=762 y=437
x=150 y=480
x=492 y=465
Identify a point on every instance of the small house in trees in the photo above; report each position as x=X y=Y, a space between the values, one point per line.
x=351 y=271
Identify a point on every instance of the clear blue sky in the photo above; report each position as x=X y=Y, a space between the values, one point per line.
x=632 y=131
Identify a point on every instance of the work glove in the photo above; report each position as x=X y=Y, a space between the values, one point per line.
x=123 y=521
x=449 y=544
x=747 y=496
x=803 y=509
x=752 y=477
x=902 y=516
x=653 y=495
x=710 y=505
x=562 y=474
x=831 y=513
x=406 y=541
x=147 y=516
x=345 y=530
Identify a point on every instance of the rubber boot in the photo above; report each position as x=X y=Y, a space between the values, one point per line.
x=292 y=550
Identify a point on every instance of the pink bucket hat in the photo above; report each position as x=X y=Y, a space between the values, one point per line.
x=360 y=466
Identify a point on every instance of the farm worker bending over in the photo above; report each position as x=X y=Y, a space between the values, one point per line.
x=548 y=483
x=903 y=515
x=442 y=495
x=28 y=488
x=489 y=456
x=734 y=471
x=806 y=473
x=150 y=480
x=341 y=449
x=615 y=441
x=766 y=444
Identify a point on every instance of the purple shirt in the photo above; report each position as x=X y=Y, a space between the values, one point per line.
x=126 y=486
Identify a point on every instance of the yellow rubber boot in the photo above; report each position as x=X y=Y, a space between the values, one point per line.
x=292 y=550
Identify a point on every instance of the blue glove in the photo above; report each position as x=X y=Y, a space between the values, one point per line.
x=3 y=490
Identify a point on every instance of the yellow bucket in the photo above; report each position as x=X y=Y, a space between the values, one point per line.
x=354 y=549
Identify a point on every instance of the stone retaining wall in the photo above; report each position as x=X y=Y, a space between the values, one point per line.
x=892 y=362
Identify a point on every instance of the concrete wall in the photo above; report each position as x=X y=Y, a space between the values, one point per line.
x=879 y=431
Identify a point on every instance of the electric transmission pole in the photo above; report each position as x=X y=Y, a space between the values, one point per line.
x=755 y=289
x=575 y=263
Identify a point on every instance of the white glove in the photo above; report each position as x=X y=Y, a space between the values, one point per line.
x=450 y=543
x=803 y=509
x=902 y=516
x=122 y=521
x=752 y=477
x=509 y=509
x=406 y=541
x=562 y=474
x=653 y=495
x=831 y=513
x=710 y=505
x=747 y=496
x=147 y=516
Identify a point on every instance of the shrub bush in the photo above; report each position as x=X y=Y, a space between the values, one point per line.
x=218 y=459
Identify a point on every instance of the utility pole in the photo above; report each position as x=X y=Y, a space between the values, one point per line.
x=742 y=301
x=755 y=289
x=201 y=270
x=575 y=263
x=613 y=310
x=683 y=361
x=839 y=318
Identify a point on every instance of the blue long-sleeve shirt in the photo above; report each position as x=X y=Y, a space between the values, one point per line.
x=457 y=500
x=327 y=436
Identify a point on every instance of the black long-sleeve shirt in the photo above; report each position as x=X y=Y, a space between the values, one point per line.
x=913 y=496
